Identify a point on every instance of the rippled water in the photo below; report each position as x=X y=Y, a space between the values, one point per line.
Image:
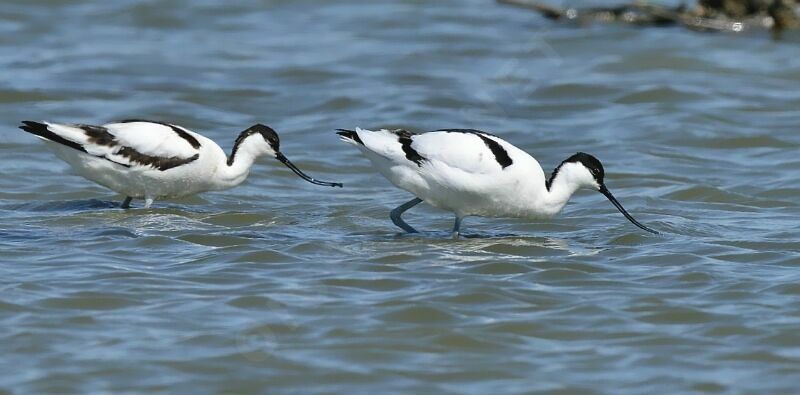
x=281 y=286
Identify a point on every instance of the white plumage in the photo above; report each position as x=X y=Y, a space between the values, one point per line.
x=154 y=160
x=474 y=173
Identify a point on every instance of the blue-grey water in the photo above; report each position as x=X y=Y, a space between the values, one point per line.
x=280 y=286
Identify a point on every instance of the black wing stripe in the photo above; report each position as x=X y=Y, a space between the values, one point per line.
x=350 y=134
x=160 y=163
x=99 y=135
x=500 y=154
x=404 y=137
x=41 y=130
x=178 y=130
x=467 y=131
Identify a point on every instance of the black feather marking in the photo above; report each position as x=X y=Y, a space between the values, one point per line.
x=467 y=131
x=350 y=134
x=113 y=161
x=405 y=139
x=182 y=133
x=500 y=153
x=160 y=163
x=549 y=181
x=99 y=135
x=41 y=130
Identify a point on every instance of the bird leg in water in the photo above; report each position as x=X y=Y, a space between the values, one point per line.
x=399 y=210
x=126 y=203
x=456 y=228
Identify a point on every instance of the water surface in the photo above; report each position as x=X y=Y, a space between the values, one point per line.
x=280 y=286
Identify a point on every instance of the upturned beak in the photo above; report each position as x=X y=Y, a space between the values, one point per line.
x=279 y=156
x=621 y=209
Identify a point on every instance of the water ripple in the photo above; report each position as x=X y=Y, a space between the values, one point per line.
x=279 y=285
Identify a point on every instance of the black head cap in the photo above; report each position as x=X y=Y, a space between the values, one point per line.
x=591 y=163
x=588 y=161
x=266 y=132
x=269 y=135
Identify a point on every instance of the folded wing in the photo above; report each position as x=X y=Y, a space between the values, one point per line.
x=133 y=144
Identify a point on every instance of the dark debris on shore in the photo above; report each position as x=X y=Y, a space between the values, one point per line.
x=775 y=16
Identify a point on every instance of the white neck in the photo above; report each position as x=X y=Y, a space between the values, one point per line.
x=569 y=178
x=244 y=154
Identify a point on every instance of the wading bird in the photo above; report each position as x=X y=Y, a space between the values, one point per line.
x=154 y=160
x=474 y=173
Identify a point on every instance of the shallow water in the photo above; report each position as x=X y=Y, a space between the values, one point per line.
x=281 y=286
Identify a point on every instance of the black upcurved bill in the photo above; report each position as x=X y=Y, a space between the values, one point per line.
x=279 y=156
x=621 y=209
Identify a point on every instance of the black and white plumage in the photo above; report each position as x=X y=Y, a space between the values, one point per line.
x=154 y=160
x=473 y=173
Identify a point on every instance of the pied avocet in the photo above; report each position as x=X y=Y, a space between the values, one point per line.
x=473 y=173
x=154 y=160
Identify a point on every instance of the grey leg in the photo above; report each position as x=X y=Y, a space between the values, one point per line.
x=456 y=227
x=127 y=202
x=148 y=201
x=397 y=212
